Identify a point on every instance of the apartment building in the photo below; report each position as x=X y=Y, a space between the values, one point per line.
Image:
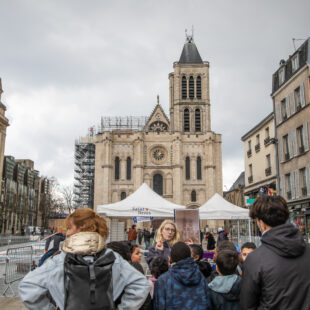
x=290 y=94
x=260 y=159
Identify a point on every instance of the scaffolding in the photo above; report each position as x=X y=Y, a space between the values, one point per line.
x=107 y=123
x=84 y=173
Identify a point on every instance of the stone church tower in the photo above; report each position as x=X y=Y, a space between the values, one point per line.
x=179 y=157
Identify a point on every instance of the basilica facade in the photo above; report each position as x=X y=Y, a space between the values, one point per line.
x=179 y=156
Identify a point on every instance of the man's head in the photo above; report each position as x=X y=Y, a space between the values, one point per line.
x=227 y=262
x=269 y=211
x=246 y=249
x=180 y=251
x=196 y=251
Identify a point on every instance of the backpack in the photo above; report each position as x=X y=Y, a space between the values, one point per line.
x=88 y=281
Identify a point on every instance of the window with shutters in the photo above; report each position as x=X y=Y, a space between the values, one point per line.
x=187 y=168
x=295 y=62
x=199 y=176
x=186 y=120
x=123 y=195
x=249 y=152
x=257 y=146
x=281 y=74
x=268 y=164
x=184 y=87
x=193 y=196
x=286 y=148
x=284 y=109
x=116 y=168
x=250 y=178
x=298 y=98
x=300 y=140
x=303 y=177
x=297 y=188
x=198 y=87
x=128 y=170
x=191 y=87
x=197 y=120
x=288 y=186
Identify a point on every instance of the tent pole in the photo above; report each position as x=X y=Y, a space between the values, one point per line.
x=250 y=234
x=238 y=231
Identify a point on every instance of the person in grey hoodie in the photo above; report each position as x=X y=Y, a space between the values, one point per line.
x=86 y=236
x=225 y=288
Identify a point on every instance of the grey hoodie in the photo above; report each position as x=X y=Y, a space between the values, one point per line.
x=50 y=277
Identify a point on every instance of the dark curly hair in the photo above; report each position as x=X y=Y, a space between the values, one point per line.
x=272 y=210
x=159 y=266
x=122 y=248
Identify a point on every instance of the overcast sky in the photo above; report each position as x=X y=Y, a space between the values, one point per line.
x=64 y=64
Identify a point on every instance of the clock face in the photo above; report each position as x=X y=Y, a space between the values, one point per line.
x=158 y=155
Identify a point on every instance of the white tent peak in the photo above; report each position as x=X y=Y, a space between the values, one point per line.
x=143 y=202
x=218 y=208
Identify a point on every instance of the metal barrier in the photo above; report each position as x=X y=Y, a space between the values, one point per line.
x=18 y=264
x=9 y=240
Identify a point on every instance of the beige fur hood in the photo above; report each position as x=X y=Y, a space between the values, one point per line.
x=84 y=243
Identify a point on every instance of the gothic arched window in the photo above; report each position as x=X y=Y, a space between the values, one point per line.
x=199 y=168
x=193 y=196
x=123 y=195
x=198 y=87
x=186 y=120
x=191 y=87
x=128 y=170
x=197 y=120
x=184 y=87
x=116 y=172
x=158 y=184
x=187 y=168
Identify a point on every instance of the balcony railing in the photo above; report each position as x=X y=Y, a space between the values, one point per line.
x=287 y=156
x=268 y=171
x=304 y=191
x=298 y=107
x=301 y=149
x=284 y=117
x=249 y=152
x=267 y=140
x=250 y=179
x=257 y=147
x=289 y=195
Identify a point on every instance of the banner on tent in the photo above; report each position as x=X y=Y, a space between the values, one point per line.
x=142 y=211
x=139 y=219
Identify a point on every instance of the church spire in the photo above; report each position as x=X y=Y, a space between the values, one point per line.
x=190 y=54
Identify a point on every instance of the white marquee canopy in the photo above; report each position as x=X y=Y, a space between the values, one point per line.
x=143 y=202
x=217 y=208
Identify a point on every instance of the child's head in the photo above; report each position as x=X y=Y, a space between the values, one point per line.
x=180 y=251
x=224 y=245
x=159 y=266
x=196 y=252
x=227 y=262
x=135 y=254
x=246 y=249
x=121 y=247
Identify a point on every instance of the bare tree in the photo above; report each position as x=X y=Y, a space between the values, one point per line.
x=67 y=194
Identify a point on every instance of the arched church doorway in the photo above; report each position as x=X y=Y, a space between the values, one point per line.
x=158 y=184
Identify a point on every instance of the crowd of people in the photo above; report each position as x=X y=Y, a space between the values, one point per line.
x=87 y=273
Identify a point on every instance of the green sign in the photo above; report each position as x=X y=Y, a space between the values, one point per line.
x=250 y=201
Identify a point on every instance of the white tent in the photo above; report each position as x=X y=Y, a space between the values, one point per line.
x=143 y=202
x=217 y=208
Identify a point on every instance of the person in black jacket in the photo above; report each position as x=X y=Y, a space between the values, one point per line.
x=211 y=241
x=225 y=288
x=277 y=274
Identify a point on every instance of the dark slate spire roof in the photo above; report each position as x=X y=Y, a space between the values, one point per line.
x=190 y=54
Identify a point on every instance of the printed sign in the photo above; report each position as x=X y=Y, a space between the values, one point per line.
x=188 y=225
x=139 y=219
x=142 y=211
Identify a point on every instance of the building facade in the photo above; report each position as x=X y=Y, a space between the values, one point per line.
x=180 y=157
x=290 y=94
x=235 y=194
x=260 y=158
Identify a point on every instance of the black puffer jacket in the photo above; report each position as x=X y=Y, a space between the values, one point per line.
x=277 y=274
x=225 y=293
